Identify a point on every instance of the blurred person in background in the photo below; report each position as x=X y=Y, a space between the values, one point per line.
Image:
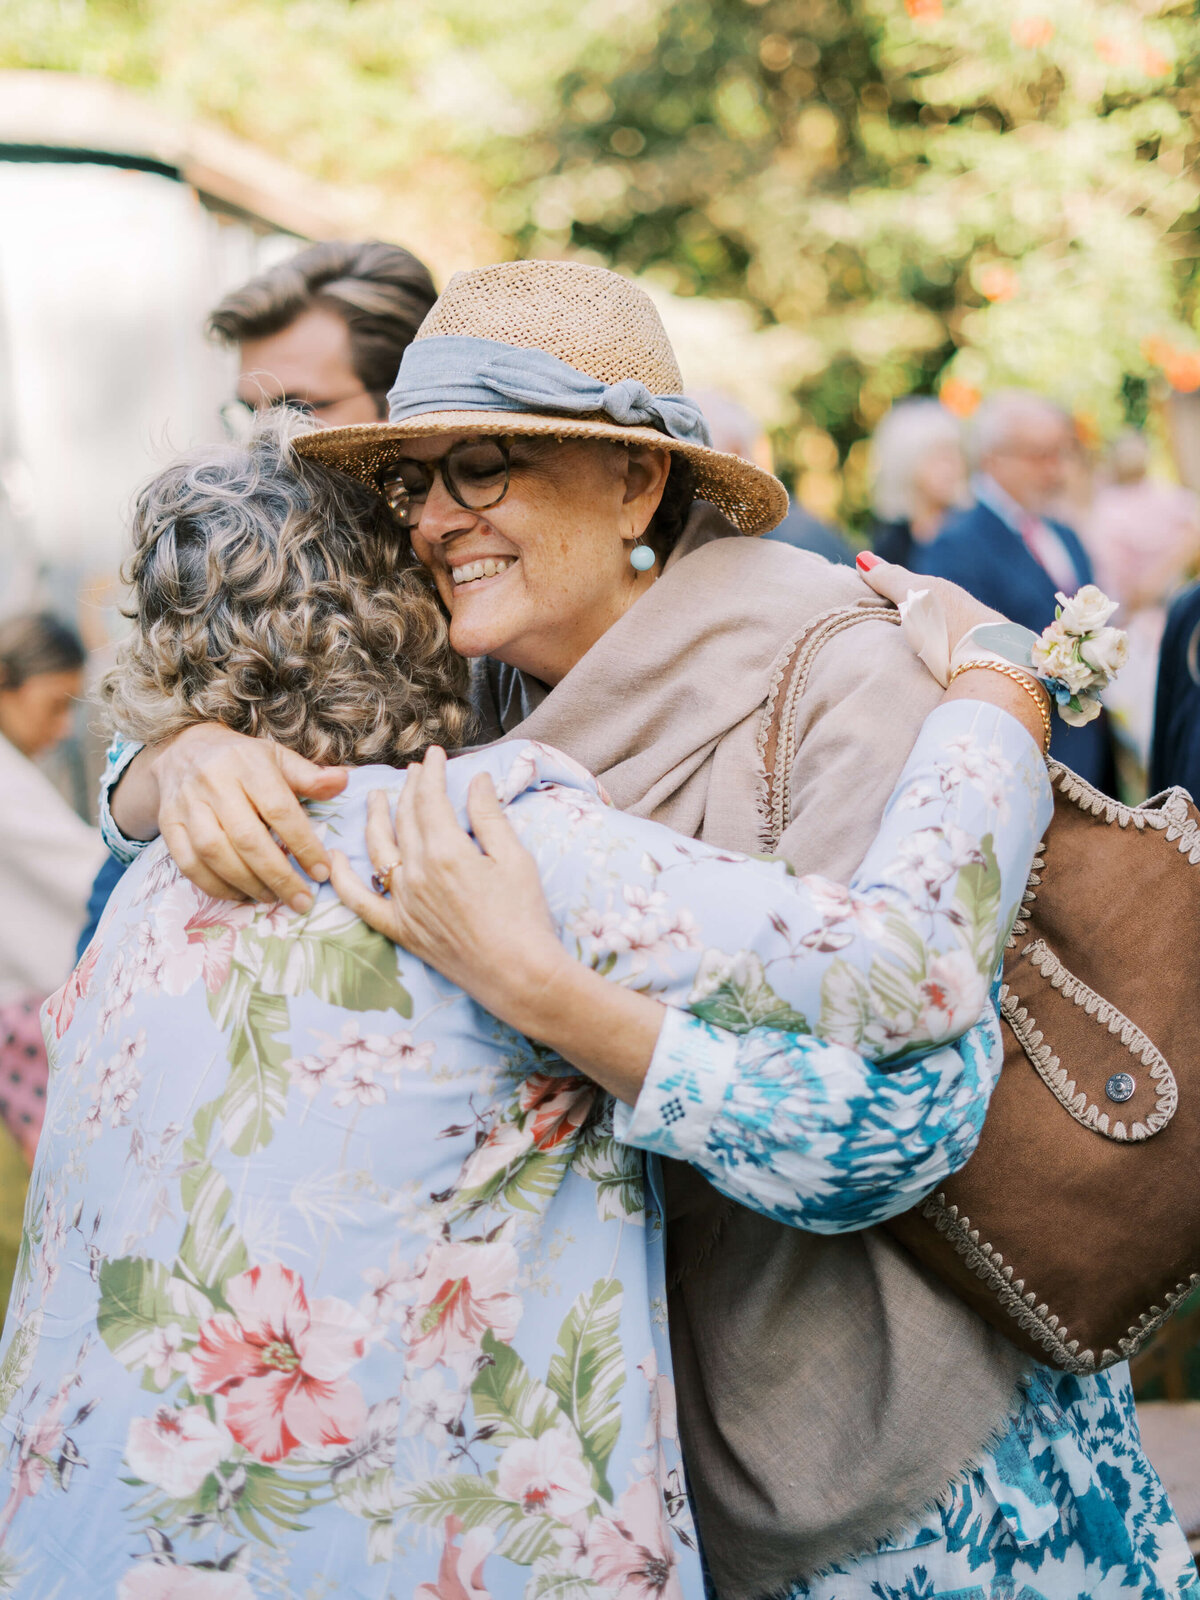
x=323 y=333
x=48 y=857
x=1143 y=535
x=737 y=432
x=918 y=476
x=1009 y=553
x=1144 y=539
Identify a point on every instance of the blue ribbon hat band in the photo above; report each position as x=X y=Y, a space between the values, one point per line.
x=461 y=373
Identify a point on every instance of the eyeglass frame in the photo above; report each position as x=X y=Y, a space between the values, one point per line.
x=436 y=469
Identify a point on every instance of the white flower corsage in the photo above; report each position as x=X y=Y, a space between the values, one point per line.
x=1075 y=657
x=1078 y=654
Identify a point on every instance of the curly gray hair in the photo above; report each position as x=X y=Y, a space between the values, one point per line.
x=280 y=599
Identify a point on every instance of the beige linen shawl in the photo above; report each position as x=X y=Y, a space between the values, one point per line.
x=828 y=1390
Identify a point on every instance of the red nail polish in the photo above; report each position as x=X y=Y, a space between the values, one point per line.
x=866 y=560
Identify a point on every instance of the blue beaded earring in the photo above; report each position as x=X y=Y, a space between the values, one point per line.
x=642 y=558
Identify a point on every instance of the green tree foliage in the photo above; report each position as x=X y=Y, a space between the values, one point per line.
x=937 y=195
x=923 y=195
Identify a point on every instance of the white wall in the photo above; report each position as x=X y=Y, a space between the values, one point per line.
x=106 y=276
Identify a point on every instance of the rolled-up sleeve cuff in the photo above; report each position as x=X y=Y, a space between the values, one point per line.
x=121 y=753
x=684 y=1090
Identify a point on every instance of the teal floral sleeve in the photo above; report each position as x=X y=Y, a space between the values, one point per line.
x=120 y=753
x=811 y=1134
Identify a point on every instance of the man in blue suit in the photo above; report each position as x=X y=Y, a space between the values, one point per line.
x=1010 y=554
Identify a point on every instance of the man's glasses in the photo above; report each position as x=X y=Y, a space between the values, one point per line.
x=475 y=472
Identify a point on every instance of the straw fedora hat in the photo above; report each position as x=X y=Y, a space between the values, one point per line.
x=549 y=347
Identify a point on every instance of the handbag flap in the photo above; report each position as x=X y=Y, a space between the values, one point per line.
x=1108 y=891
x=1096 y=1061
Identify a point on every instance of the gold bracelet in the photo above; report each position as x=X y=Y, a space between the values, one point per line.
x=1031 y=685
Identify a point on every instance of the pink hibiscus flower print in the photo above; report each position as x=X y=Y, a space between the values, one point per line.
x=197 y=936
x=505 y=1145
x=631 y=1552
x=560 y=1107
x=153 y=1580
x=460 y=1571
x=281 y=1364
x=546 y=1474
x=60 y=1008
x=463 y=1290
x=175 y=1449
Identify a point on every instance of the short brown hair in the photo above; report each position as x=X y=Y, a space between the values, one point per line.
x=380 y=291
x=278 y=599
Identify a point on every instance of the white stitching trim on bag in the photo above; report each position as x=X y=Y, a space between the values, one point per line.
x=1166 y=812
x=1020 y=925
x=1054 y=1076
x=1038 y=1321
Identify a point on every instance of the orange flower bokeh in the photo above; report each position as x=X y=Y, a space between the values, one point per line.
x=1181 y=368
x=998 y=282
x=1031 y=33
x=959 y=397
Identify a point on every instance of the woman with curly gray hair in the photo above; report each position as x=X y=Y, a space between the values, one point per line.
x=278 y=601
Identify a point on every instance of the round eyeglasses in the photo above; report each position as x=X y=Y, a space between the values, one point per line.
x=475 y=472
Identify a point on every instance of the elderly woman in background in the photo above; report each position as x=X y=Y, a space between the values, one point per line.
x=335 y=1284
x=850 y=1428
x=918 y=476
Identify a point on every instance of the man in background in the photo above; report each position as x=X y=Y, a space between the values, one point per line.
x=1009 y=553
x=323 y=332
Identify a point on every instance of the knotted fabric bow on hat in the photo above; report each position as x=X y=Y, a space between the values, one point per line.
x=468 y=374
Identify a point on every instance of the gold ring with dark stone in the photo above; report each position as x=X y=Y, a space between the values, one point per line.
x=381 y=881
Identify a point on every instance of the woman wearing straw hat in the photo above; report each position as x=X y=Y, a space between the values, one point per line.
x=541 y=459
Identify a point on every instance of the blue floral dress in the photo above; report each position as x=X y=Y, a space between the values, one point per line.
x=330 y=1284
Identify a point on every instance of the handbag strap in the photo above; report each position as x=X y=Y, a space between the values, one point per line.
x=789 y=679
x=777 y=754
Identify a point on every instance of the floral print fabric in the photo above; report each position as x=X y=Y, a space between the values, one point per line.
x=1065 y=1507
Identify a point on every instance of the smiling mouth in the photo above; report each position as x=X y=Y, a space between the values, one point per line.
x=476 y=571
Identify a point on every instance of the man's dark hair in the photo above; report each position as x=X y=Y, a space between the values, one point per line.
x=380 y=291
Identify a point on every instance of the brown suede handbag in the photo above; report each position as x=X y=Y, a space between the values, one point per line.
x=1075 y=1226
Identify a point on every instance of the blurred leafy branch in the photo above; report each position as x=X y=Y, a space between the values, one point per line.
x=913 y=195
